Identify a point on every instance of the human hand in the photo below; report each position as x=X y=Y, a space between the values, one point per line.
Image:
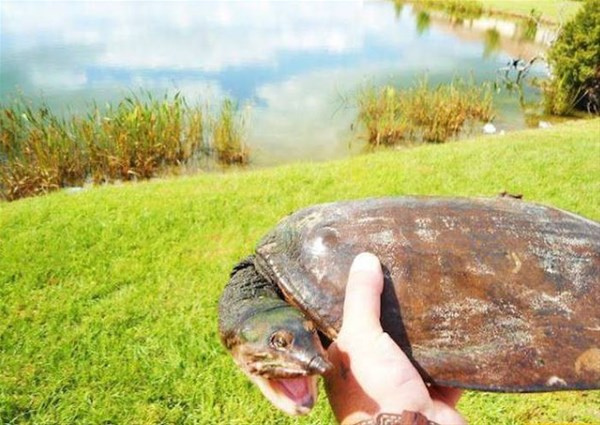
x=371 y=374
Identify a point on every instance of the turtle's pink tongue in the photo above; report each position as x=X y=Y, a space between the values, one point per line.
x=297 y=389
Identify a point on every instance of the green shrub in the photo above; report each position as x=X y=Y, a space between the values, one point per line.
x=575 y=62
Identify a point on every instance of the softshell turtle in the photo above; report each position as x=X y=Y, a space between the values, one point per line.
x=492 y=294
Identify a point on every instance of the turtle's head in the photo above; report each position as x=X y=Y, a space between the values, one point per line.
x=272 y=342
x=280 y=351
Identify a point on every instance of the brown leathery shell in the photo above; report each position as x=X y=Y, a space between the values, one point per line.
x=495 y=294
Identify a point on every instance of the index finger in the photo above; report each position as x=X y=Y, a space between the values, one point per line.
x=362 y=303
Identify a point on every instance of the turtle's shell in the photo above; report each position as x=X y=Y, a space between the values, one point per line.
x=494 y=294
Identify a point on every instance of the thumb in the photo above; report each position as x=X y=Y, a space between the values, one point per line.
x=362 y=304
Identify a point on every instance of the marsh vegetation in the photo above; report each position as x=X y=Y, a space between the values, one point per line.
x=422 y=113
x=138 y=138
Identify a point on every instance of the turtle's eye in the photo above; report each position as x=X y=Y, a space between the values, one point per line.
x=281 y=340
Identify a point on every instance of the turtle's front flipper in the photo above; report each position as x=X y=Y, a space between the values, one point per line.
x=271 y=341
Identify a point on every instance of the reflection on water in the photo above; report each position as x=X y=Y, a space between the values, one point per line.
x=491 y=42
x=290 y=63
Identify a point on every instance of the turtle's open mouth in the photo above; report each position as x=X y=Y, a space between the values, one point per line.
x=302 y=390
x=295 y=396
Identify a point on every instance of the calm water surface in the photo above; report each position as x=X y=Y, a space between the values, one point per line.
x=293 y=66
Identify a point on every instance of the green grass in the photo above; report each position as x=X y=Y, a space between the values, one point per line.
x=108 y=297
x=551 y=10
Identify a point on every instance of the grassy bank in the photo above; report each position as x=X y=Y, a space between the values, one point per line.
x=549 y=11
x=108 y=297
x=555 y=11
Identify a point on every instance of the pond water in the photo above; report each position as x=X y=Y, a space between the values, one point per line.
x=293 y=66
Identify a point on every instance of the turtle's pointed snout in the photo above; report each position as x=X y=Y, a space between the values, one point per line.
x=319 y=365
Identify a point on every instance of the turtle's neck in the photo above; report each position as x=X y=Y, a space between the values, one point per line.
x=247 y=293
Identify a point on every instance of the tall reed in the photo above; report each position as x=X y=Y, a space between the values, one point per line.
x=38 y=152
x=422 y=113
x=138 y=138
x=227 y=135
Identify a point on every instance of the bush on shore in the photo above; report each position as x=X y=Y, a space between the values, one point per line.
x=575 y=62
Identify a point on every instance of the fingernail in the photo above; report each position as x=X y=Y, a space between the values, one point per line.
x=365 y=262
